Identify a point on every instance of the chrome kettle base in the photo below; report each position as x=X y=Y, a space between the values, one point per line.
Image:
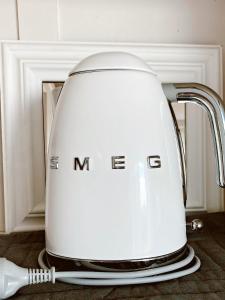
x=182 y=267
x=63 y=263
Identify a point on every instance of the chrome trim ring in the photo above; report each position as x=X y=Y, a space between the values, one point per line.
x=112 y=69
x=63 y=263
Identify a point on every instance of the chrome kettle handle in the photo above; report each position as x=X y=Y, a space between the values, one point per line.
x=182 y=155
x=212 y=103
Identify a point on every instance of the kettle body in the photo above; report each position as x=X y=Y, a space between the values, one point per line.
x=114 y=176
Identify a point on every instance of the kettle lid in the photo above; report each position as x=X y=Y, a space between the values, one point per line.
x=111 y=61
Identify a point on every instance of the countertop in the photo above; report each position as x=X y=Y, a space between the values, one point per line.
x=207 y=283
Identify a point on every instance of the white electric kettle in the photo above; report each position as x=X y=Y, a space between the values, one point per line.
x=115 y=191
x=115 y=179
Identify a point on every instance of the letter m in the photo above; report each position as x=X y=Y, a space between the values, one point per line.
x=81 y=165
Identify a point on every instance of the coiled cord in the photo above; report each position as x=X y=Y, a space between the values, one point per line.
x=13 y=277
x=94 y=278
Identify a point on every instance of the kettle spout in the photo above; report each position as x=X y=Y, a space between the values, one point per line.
x=210 y=101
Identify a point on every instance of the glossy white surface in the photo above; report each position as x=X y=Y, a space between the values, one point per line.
x=112 y=61
x=109 y=214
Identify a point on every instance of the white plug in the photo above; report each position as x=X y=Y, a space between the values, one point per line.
x=13 y=277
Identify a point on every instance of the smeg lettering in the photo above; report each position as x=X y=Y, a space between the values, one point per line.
x=118 y=162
